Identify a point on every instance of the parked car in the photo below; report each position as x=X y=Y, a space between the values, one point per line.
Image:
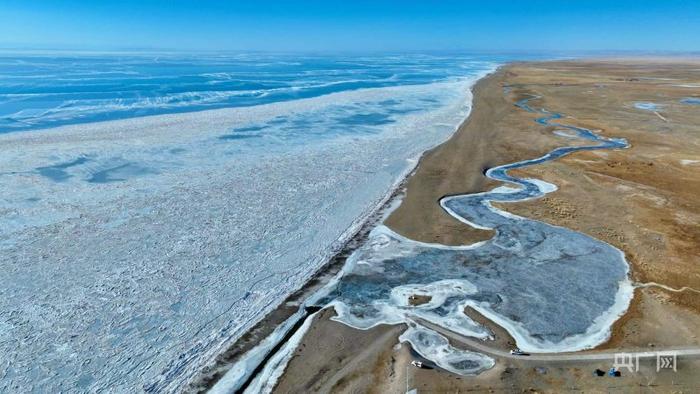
x=518 y=352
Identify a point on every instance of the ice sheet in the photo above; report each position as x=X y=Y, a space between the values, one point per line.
x=134 y=251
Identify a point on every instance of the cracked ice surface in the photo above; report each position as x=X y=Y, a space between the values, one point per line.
x=132 y=251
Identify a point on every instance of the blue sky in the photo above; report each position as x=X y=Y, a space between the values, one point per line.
x=352 y=25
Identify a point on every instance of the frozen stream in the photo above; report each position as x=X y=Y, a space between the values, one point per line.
x=552 y=288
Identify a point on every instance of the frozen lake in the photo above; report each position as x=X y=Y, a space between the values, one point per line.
x=133 y=249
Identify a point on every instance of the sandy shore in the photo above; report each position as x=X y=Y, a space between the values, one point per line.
x=457 y=166
x=642 y=200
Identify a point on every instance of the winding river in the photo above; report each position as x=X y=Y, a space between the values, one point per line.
x=551 y=288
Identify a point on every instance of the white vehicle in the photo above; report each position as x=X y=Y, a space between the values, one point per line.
x=518 y=352
x=417 y=364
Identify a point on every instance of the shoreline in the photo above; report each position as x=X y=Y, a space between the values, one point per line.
x=214 y=372
x=430 y=177
x=388 y=210
x=340 y=378
x=221 y=209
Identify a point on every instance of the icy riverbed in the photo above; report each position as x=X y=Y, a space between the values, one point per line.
x=551 y=288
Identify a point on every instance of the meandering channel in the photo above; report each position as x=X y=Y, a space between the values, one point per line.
x=551 y=288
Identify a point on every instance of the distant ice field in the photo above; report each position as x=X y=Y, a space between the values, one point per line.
x=46 y=91
x=133 y=250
